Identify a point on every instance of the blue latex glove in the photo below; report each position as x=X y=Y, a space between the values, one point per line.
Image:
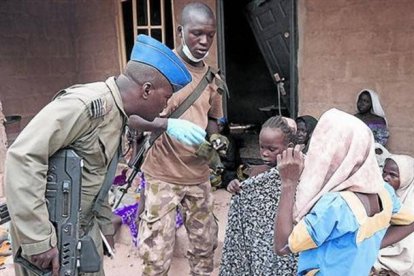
x=186 y=132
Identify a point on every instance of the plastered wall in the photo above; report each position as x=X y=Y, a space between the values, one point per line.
x=96 y=42
x=47 y=45
x=36 y=54
x=348 y=45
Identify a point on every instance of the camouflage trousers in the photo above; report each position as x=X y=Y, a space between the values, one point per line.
x=157 y=226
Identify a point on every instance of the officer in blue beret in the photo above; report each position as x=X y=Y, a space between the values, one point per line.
x=90 y=119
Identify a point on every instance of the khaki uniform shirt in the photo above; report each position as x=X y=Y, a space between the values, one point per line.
x=87 y=118
x=173 y=162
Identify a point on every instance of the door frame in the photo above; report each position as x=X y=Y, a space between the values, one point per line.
x=293 y=59
x=221 y=46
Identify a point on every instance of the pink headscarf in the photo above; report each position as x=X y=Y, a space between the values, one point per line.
x=341 y=157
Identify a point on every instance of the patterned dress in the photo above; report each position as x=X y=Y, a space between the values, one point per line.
x=248 y=244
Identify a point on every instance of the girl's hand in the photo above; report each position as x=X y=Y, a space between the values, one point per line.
x=234 y=186
x=290 y=164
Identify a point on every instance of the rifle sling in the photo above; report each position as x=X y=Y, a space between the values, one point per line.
x=207 y=78
x=106 y=186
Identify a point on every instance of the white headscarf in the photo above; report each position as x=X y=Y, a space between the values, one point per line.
x=291 y=123
x=399 y=257
x=376 y=104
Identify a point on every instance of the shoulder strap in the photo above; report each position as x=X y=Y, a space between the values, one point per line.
x=104 y=190
x=106 y=186
x=109 y=176
x=207 y=78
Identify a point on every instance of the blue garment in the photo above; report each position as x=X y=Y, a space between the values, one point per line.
x=333 y=239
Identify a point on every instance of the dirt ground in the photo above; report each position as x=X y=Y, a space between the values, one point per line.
x=126 y=262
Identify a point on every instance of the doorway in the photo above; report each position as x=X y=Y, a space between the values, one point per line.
x=253 y=90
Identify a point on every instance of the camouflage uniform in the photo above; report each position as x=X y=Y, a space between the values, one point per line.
x=87 y=118
x=157 y=226
x=176 y=172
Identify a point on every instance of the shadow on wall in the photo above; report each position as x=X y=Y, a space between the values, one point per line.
x=12 y=127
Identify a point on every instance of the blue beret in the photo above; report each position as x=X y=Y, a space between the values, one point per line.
x=152 y=52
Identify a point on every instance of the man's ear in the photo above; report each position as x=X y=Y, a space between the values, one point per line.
x=147 y=87
x=180 y=31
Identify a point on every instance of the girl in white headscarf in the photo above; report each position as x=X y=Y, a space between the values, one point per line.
x=370 y=111
x=338 y=212
x=398 y=258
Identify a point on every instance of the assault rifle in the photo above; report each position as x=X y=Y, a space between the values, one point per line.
x=137 y=141
x=63 y=195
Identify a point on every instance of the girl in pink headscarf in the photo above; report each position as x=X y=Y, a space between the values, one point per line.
x=337 y=210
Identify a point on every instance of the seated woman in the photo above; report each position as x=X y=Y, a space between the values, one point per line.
x=334 y=207
x=248 y=243
x=372 y=114
x=306 y=124
x=398 y=258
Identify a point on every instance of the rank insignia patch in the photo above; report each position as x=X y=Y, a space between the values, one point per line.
x=97 y=108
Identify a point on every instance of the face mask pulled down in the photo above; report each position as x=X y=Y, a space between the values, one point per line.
x=188 y=53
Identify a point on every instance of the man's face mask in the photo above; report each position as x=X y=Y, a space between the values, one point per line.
x=187 y=51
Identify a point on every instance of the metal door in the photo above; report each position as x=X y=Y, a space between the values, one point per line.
x=274 y=26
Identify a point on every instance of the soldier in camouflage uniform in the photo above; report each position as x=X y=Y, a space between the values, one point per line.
x=175 y=174
x=90 y=119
